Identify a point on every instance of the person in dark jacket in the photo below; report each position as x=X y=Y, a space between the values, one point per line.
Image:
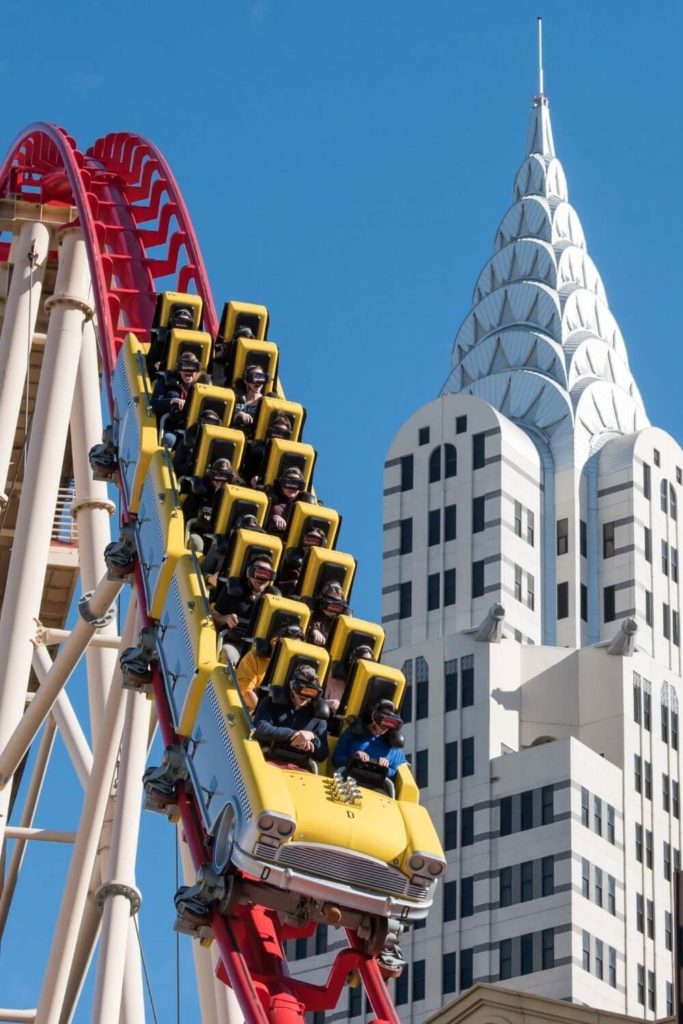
x=181 y=317
x=288 y=489
x=280 y=426
x=248 y=395
x=235 y=603
x=204 y=493
x=294 y=724
x=170 y=392
x=184 y=452
x=329 y=604
x=293 y=560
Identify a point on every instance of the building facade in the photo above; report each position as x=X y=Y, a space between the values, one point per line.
x=531 y=595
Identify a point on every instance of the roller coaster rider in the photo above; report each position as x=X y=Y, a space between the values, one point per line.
x=170 y=392
x=291 y=725
x=288 y=489
x=254 y=664
x=203 y=494
x=372 y=741
x=280 y=426
x=248 y=395
x=235 y=602
x=328 y=605
x=184 y=452
x=293 y=561
x=181 y=317
x=220 y=358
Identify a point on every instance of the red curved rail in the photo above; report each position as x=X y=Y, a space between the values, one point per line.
x=140 y=240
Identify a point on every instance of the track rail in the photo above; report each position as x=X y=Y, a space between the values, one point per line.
x=140 y=240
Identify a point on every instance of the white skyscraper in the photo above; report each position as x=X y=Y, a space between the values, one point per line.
x=531 y=595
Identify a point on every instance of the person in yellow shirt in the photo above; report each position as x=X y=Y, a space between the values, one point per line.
x=253 y=665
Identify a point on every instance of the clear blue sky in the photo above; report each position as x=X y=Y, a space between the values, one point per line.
x=347 y=165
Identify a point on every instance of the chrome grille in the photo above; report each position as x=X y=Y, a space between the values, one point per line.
x=343 y=866
x=418 y=892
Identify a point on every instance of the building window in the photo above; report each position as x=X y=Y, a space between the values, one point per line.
x=612 y=895
x=675 y=803
x=450 y=460
x=585 y=797
x=466 y=897
x=669 y=999
x=655 y=457
x=562 y=600
x=647 y=481
x=583 y=538
x=449 y=523
x=451 y=830
x=527 y=810
x=585 y=878
x=451 y=684
x=467 y=836
x=638 y=773
x=586 y=945
x=506 y=815
x=433 y=586
x=665 y=558
x=597 y=815
x=423 y=436
x=608 y=540
x=505 y=959
x=451 y=762
x=461 y=424
x=418 y=980
x=548 y=948
x=673 y=504
x=405 y=600
x=647 y=706
x=530 y=600
x=609 y=612
x=407 y=473
x=468 y=756
x=450 y=898
x=505 y=883
x=518 y=583
x=665 y=717
x=640 y=913
x=612 y=967
x=668 y=930
x=422 y=700
x=648 y=848
x=518 y=518
x=548 y=876
x=407 y=705
x=562 y=536
x=598 y=886
x=663 y=496
x=467 y=680
x=651 y=1001
x=356 y=1001
x=640 y=984
x=667 y=861
x=666 y=620
x=434 y=527
x=448 y=983
x=610 y=824
x=527 y=953
x=478 y=451
x=435 y=465
x=637 y=698
x=527 y=881
x=583 y=594
x=547 y=805
x=599 y=967
x=650 y=919
x=477 y=579
x=321 y=939
x=675 y=629
x=406 y=541
x=449 y=587
x=639 y=842
x=648 y=780
x=466 y=958
x=648 y=544
x=478 y=514
x=674 y=563
x=401 y=996
x=530 y=533
x=422 y=768
x=674 y=729
x=648 y=607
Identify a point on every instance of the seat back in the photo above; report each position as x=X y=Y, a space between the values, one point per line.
x=236 y=502
x=197 y=342
x=272 y=613
x=348 y=633
x=269 y=407
x=287 y=656
x=243 y=314
x=248 y=545
x=167 y=301
x=371 y=682
x=205 y=398
x=306 y=516
x=217 y=443
x=284 y=455
x=248 y=352
x=322 y=566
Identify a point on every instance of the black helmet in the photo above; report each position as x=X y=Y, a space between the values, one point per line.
x=363 y=652
x=384 y=714
x=188 y=361
x=247 y=522
x=221 y=468
x=181 y=316
x=293 y=631
x=255 y=374
x=244 y=332
x=210 y=416
x=331 y=597
x=292 y=477
x=304 y=680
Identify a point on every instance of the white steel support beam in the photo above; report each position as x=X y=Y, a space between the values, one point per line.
x=118 y=893
x=26 y=573
x=66 y=719
x=93 y=511
x=17 y=1016
x=133 y=998
x=27 y=815
x=46 y=835
x=51 y=637
x=19 y=324
x=99 y=603
x=87 y=939
x=65 y=939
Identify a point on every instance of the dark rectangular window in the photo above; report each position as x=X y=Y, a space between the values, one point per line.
x=527 y=809
x=451 y=829
x=527 y=880
x=451 y=761
x=505 y=959
x=422 y=768
x=418 y=980
x=648 y=607
x=666 y=790
x=648 y=848
x=547 y=876
x=477 y=579
x=407 y=473
x=666 y=620
x=433 y=585
x=608 y=540
x=527 y=953
x=647 y=708
x=668 y=930
x=586 y=946
x=467 y=680
x=651 y=1000
x=448 y=982
x=610 y=824
x=650 y=919
x=639 y=842
x=583 y=593
x=406 y=544
x=449 y=523
x=669 y=999
x=674 y=730
x=562 y=536
x=640 y=984
x=468 y=756
x=449 y=588
x=674 y=564
x=356 y=1001
x=675 y=628
x=562 y=600
x=466 y=897
x=585 y=878
x=505 y=887
x=422 y=699
x=585 y=797
x=547 y=948
x=478 y=514
x=450 y=901
x=405 y=600
x=478 y=452
x=301 y=949
x=612 y=977
x=460 y=424
x=407 y=705
x=547 y=805
x=637 y=773
x=423 y=436
x=675 y=802
x=612 y=895
x=667 y=861
x=401 y=996
x=598 y=887
x=647 y=543
x=583 y=538
x=518 y=518
x=647 y=480
x=647 y=789
x=466 y=958
x=434 y=527
x=451 y=684
x=609 y=604
x=665 y=558
x=506 y=815
x=321 y=939
x=640 y=913
x=599 y=958
x=467 y=837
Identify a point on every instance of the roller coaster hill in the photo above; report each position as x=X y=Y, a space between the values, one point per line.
x=97 y=249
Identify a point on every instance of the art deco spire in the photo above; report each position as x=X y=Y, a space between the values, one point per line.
x=540 y=342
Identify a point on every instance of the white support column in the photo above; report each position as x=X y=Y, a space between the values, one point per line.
x=118 y=893
x=66 y=720
x=133 y=998
x=92 y=510
x=26 y=573
x=97 y=795
x=17 y=333
x=228 y=1008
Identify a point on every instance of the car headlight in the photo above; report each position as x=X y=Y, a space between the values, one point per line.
x=271 y=823
x=426 y=866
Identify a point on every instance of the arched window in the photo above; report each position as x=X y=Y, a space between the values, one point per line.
x=435 y=465
x=450 y=460
x=673 y=502
x=662 y=496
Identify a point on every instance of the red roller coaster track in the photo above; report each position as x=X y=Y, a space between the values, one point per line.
x=140 y=240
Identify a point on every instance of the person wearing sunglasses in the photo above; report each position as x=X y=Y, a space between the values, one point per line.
x=248 y=395
x=329 y=604
x=254 y=664
x=370 y=741
x=288 y=489
x=292 y=725
x=235 y=602
x=293 y=559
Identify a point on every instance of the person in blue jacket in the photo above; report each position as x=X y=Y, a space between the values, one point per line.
x=370 y=741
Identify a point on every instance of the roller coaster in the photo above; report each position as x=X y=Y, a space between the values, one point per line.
x=97 y=252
